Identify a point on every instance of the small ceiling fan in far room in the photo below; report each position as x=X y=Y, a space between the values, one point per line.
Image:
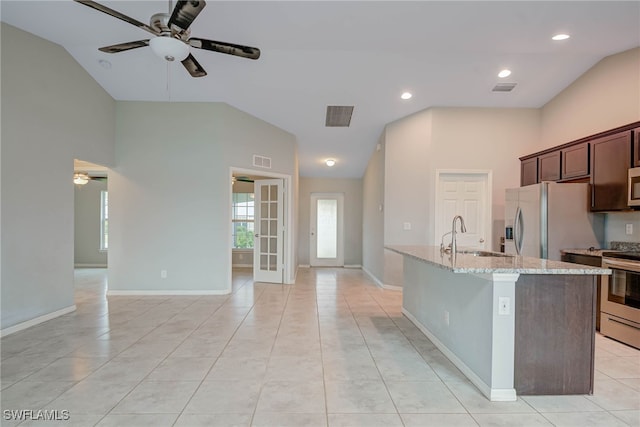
x=82 y=178
x=172 y=39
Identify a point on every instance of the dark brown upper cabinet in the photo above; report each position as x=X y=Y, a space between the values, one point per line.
x=575 y=161
x=610 y=160
x=549 y=166
x=636 y=147
x=529 y=171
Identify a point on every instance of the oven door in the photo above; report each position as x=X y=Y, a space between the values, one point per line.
x=621 y=290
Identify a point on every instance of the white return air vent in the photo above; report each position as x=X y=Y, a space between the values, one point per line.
x=261 y=161
x=338 y=115
x=504 y=87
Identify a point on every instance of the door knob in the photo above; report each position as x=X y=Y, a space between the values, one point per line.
x=257 y=235
x=481 y=240
x=313 y=234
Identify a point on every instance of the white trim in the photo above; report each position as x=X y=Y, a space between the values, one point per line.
x=167 y=292
x=304 y=266
x=37 y=320
x=495 y=395
x=80 y=265
x=356 y=266
x=393 y=287
x=242 y=265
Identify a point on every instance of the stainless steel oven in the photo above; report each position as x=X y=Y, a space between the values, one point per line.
x=620 y=297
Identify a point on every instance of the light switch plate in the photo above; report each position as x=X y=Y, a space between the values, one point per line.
x=504 y=306
x=629 y=229
x=406 y=226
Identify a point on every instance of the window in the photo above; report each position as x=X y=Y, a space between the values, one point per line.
x=104 y=220
x=242 y=220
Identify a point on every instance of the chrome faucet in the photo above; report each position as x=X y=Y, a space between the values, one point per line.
x=463 y=229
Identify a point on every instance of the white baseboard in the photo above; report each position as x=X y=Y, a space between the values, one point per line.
x=356 y=266
x=379 y=283
x=29 y=323
x=115 y=292
x=304 y=266
x=493 y=394
x=90 y=265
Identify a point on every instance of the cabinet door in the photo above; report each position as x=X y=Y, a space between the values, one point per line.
x=610 y=160
x=575 y=161
x=529 y=172
x=636 y=147
x=549 y=166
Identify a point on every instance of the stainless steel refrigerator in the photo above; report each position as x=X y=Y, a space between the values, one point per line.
x=542 y=219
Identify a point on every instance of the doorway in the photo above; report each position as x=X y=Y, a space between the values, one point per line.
x=327 y=230
x=465 y=193
x=260 y=219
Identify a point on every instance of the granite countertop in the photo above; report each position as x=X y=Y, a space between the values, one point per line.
x=467 y=263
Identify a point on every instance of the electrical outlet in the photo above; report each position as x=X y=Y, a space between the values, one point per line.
x=504 y=306
x=446 y=317
x=163 y=274
x=629 y=229
x=406 y=226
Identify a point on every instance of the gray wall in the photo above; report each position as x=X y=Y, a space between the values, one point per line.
x=52 y=112
x=373 y=214
x=87 y=201
x=352 y=189
x=170 y=192
x=615 y=227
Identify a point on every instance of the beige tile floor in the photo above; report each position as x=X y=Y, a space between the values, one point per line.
x=332 y=350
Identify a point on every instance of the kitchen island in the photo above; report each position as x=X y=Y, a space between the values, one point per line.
x=512 y=324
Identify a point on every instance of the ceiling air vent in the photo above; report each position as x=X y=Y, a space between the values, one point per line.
x=338 y=115
x=504 y=87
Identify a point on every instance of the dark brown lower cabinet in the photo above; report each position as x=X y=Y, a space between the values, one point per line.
x=555 y=334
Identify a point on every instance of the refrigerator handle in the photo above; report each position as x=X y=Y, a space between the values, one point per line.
x=516 y=231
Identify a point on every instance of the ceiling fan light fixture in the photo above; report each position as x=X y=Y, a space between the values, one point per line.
x=330 y=162
x=80 y=178
x=169 y=48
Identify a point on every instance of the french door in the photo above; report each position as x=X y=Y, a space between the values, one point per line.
x=326 y=234
x=268 y=259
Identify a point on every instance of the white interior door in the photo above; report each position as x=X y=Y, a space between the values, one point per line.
x=326 y=234
x=465 y=194
x=268 y=260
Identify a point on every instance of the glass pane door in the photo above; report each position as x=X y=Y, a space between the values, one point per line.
x=268 y=265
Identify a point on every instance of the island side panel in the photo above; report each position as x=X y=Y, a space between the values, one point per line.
x=555 y=334
x=429 y=291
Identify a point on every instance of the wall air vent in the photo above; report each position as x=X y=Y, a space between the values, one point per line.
x=504 y=87
x=338 y=116
x=261 y=161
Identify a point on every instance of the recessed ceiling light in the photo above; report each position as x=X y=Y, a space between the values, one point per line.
x=330 y=162
x=406 y=95
x=558 y=37
x=504 y=73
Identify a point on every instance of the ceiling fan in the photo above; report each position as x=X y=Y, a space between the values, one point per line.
x=172 y=39
x=82 y=178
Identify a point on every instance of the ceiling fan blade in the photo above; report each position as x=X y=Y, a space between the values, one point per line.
x=223 y=47
x=124 y=46
x=116 y=14
x=185 y=12
x=193 y=67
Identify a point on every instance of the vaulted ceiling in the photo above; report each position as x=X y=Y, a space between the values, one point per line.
x=363 y=53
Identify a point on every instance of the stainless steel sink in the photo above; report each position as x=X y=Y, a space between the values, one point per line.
x=485 y=254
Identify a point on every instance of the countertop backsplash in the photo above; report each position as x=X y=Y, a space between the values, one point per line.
x=626 y=246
